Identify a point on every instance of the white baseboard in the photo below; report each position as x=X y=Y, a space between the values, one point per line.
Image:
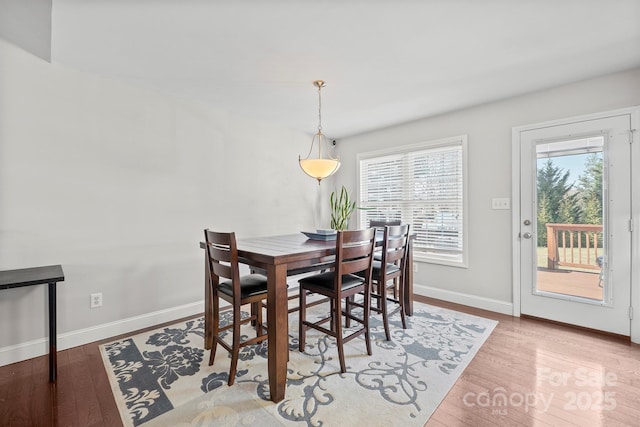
x=464 y=299
x=35 y=348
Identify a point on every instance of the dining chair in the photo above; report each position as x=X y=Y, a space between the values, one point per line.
x=388 y=275
x=383 y=222
x=293 y=294
x=354 y=254
x=380 y=224
x=222 y=257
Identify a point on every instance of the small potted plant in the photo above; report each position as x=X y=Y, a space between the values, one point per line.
x=341 y=209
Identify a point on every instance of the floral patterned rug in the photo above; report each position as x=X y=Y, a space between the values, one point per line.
x=162 y=377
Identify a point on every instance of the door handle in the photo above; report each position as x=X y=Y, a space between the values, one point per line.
x=526 y=235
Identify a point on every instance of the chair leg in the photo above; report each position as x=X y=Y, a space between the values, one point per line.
x=337 y=323
x=236 y=345
x=382 y=292
x=366 y=315
x=401 y=302
x=332 y=321
x=257 y=308
x=254 y=314
x=347 y=309
x=301 y=318
x=215 y=327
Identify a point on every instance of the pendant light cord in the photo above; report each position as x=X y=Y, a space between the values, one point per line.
x=320 y=108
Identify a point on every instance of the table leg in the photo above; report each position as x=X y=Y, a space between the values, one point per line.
x=53 y=353
x=278 y=330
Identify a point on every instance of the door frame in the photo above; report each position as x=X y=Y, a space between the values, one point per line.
x=634 y=112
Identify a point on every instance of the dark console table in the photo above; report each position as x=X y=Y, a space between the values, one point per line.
x=51 y=274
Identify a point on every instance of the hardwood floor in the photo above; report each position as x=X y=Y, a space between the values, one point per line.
x=549 y=375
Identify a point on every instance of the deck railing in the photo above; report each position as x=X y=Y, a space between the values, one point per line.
x=573 y=245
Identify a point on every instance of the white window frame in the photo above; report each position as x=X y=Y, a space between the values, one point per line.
x=421 y=254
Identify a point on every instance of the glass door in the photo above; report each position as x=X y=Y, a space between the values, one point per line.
x=570 y=217
x=575 y=209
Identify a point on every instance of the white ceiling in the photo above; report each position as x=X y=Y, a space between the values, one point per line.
x=385 y=61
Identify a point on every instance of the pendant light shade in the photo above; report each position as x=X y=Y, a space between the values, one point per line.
x=319 y=168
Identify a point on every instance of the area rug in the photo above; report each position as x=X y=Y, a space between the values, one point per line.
x=162 y=377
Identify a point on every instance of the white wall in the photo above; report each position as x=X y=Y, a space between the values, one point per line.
x=487 y=283
x=27 y=23
x=117 y=183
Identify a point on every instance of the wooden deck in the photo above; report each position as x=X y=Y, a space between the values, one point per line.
x=577 y=283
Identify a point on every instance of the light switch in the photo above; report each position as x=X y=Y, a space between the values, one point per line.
x=501 y=203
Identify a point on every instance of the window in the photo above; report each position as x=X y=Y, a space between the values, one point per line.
x=423 y=185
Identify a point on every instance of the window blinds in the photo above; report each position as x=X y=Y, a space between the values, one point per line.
x=422 y=187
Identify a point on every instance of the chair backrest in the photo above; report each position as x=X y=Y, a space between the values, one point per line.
x=394 y=245
x=383 y=222
x=222 y=257
x=354 y=252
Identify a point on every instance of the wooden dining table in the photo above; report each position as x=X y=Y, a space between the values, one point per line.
x=282 y=256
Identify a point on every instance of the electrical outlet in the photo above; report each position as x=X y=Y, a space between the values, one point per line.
x=415 y=267
x=96 y=300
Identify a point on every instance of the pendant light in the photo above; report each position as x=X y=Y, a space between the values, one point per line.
x=319 y=168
